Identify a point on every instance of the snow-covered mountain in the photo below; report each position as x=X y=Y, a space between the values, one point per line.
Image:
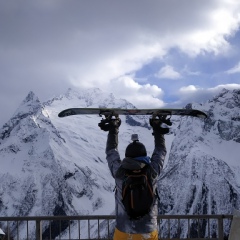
x=57 y=166
x=53 y=166
x=203 y=172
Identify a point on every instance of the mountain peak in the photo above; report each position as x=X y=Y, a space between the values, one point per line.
x=84 y=98
x=29 y=105
x=78 y=93
x=31 y=97
x=225 y=95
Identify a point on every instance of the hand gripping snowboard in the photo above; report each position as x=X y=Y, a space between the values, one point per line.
x=109 y=112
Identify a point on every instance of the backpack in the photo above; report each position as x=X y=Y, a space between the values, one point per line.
x=137 y=193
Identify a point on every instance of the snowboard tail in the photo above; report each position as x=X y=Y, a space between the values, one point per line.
x=118 y=111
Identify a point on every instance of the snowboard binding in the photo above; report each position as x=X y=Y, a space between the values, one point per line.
x=159 y=122
x=111 y=121
x=161 y=119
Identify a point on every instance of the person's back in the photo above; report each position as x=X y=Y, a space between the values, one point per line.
x=136 y=159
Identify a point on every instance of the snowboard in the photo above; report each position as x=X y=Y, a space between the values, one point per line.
x=108 y=112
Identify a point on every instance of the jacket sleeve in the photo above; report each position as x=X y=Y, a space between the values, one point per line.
x=113 y=157
x=159 y=153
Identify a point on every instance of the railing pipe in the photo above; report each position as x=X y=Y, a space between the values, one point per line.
x=220 y=227
x=38 y=230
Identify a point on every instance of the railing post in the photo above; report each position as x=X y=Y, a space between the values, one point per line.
x=38 y=230
x=220 y=227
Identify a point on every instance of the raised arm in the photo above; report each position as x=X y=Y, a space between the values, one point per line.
x=160 y=151
x=113 y=157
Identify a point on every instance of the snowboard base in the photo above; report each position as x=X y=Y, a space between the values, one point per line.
x=118 y=111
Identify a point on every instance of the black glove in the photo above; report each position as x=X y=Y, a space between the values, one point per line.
x=110 y=124
x=156 y=124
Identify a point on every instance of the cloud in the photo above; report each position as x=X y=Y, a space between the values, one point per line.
x=188 y=89
x=230 y=86
x=89 y=42
x=120 y=63
x=168 y=72
x=131 y=42
x=188 y=72
x=235 y=69
x=191 y=93
x=142 y=96
x=191 y=89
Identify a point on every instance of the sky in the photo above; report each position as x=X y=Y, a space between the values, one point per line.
x=158 y=53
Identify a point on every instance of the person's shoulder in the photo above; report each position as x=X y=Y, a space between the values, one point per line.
x=151 y=171
x=120 y=172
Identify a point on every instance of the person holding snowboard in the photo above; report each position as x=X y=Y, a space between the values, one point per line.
x=136 y=199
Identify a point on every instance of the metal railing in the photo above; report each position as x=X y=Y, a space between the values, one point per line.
x=174 y=227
